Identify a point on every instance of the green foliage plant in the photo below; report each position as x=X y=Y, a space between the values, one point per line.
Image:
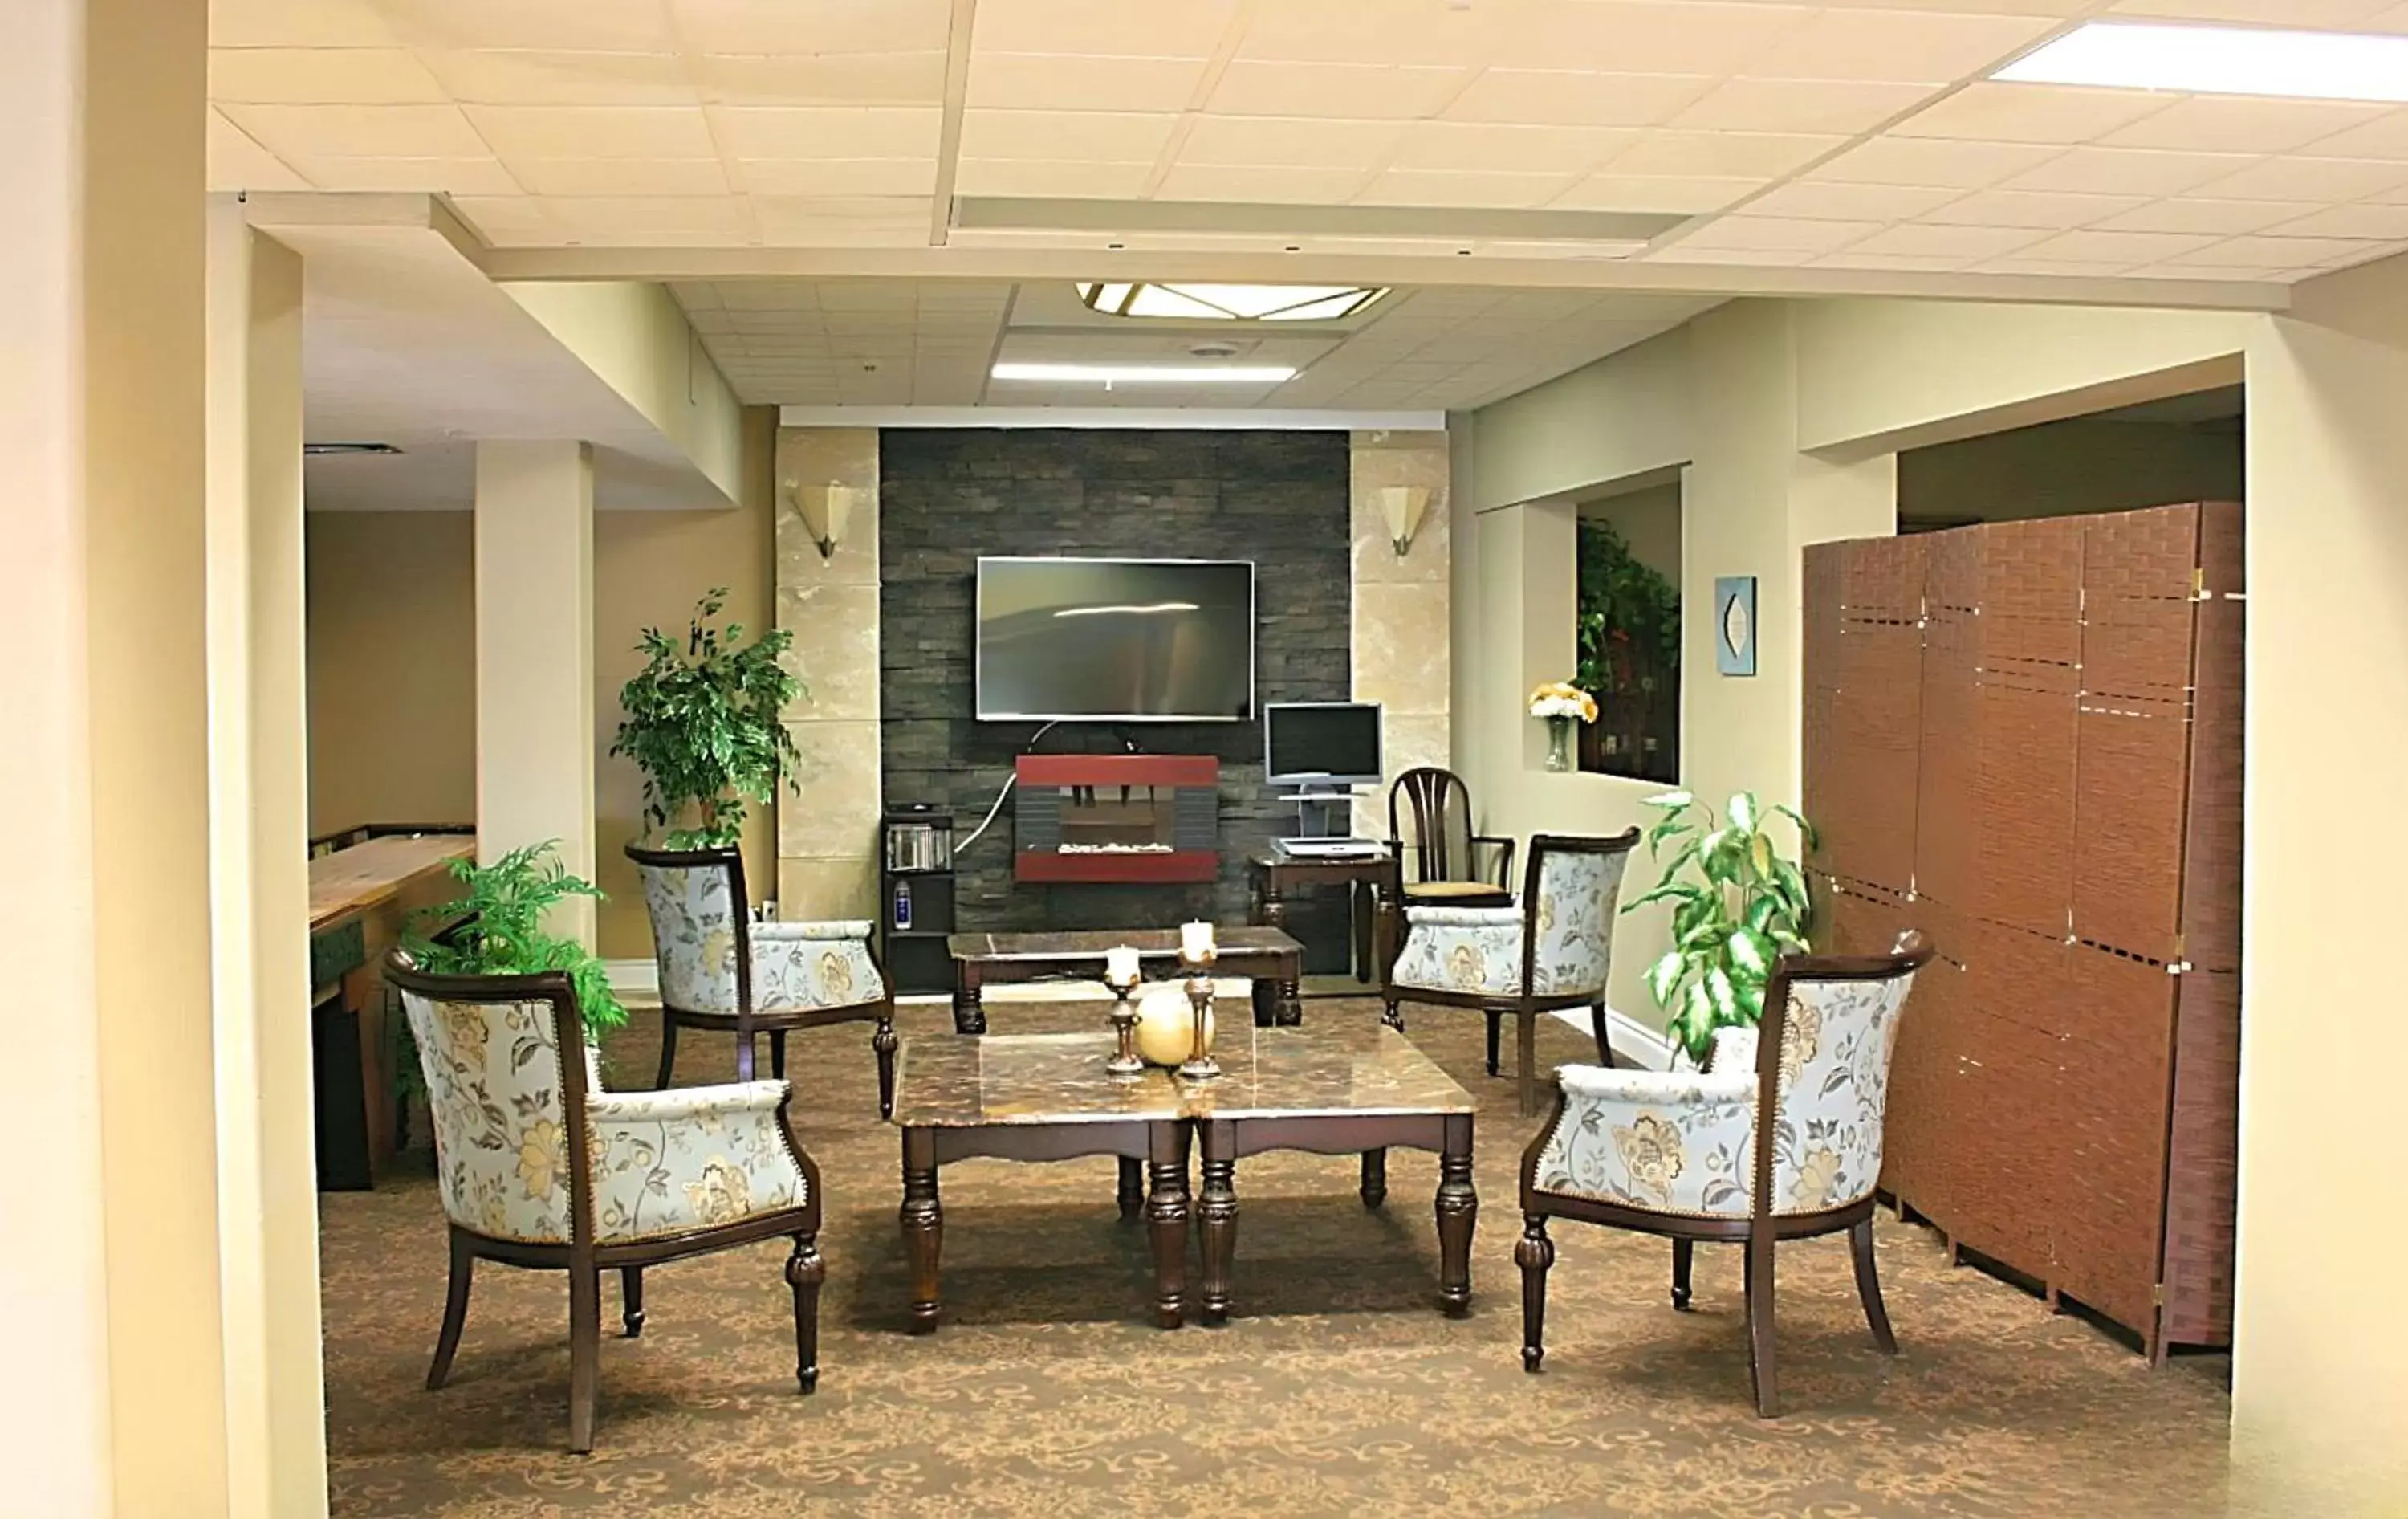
x=503 y=932
x=705 y=720
x=1738 y=903
x=1629 y=628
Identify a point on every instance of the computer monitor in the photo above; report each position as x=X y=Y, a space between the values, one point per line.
x=1321 y=744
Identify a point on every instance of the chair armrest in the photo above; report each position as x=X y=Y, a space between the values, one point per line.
x=815 y=971
x=679 y=1104
x=1464 y=917
x=1504 y=857
x=839 y=928
x=1672 y=1141
x=1657 y=1087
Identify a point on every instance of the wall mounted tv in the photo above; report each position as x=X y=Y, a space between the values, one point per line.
x=1123 y=640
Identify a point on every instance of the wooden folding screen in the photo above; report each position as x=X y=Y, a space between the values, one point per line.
x=2025 y=739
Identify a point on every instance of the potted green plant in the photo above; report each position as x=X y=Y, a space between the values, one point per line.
x=705 y=721
x=1738 y=903
x=498 y=930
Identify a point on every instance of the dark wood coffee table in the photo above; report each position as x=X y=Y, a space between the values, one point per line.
x=1275 y=961
x=1331 y=1090
x=1037 y=1097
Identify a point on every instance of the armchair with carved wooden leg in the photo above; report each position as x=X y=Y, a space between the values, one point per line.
x=538 y=1166
x=1681 y=1154
x=721 y=971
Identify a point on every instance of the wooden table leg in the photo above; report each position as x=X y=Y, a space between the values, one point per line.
x=1132 y=1193
x=1375 y=1177
x=1166 y=1217
x=969 y=1009
x=1458 y=1210
x=924 y=1225
x=1216 y=1217
x=1290 y=1001
x=1359 y=933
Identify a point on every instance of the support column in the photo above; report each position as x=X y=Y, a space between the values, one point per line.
x=111 y=1277
x=535 y=656
x=267 y=1201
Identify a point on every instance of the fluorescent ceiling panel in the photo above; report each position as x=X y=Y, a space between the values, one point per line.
x=1230 y=303
x=2221 y=59
x=1149 y=374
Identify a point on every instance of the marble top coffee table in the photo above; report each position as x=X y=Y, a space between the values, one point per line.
x=1046 y=1097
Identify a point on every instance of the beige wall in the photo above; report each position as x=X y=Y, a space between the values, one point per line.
x=1649 y=520
x=2068 y=467
x=393 y=667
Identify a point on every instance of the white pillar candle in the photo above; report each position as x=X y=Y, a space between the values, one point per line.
x=1119 y=966
x=1194 y=940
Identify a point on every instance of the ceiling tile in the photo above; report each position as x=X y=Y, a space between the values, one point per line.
x=429 y=175
x=1644 y=36
x=2224 y=218
x=1354 y=32
x=2125 y=248
x=2387 y=223
x=1255 y=87
x=563 y=79
x=1932 y=162
x=2295 y=178
x=1995 y=112
x=1799 y=106
x=1291 y=142
x=1444 y=187
x=1059 y=135
x=1262 y=182
x=2304 y=13
x=1035 y=81
x=1689 y=195
x=2128 y=171
x=611 y=25
x=1773 y=233
x=1908 y=48
x=283 y=23
x=1964 y=245
x=1050 y=177
x=594 y=130
x=1822 y=202
x=1479 y=145
x=322 y=76
x=805 y=27
x=2231 y=124
x=2386 y=136
x=360 y=130
x=1853 y=258
x=867 y=79
x=1761 y=258
x=1561 y=97
x=1190 y=29
x=643 y=177
x=238 y=162
x=639 y=215
x=2049 y=210
x=507 y=221
x=1720 y=155
x=826 y=131
x=2273 y=253
x=839 y=176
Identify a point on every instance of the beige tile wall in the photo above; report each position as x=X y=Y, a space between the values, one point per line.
x=828 y=830
x=1400 y=631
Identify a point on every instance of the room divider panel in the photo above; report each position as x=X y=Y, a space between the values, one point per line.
x=2025 y=739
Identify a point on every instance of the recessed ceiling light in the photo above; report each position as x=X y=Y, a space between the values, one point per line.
x=316 y=451
x=1149 y=374
x=1230 y=303
x=2221 y=60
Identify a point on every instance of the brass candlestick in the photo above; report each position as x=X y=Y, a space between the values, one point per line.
x=1125 y=1024
x=1199 y=1064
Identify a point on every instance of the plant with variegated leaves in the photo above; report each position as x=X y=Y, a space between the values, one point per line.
x=1738 y=903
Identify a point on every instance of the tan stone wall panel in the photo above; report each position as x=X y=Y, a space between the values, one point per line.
x=827 y=834
x=1401 y=618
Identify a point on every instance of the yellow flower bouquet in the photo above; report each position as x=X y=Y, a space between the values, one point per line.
x=1561 y=698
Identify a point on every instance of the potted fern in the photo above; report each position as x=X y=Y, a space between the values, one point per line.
x=705 y=721
x=1738 y=903
x=498 y=930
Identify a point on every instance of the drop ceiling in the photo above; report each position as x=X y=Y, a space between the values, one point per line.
x=1783 y=135
x=932 y=342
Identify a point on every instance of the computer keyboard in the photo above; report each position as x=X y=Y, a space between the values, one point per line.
x=1338 y=848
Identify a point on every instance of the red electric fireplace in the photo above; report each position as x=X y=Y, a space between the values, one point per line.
x=1133 y=818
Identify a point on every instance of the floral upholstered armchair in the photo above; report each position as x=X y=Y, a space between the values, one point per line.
x=720 y=970
x=1680 y=1152
x=539 y=1166
x=1551 y=950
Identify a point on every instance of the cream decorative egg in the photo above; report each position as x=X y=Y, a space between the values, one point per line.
x=1165 y=1024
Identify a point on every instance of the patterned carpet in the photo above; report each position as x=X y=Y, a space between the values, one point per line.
x=1338 y=1390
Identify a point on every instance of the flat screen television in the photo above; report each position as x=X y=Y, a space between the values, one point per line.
x=1123 y=640
x=1311 y=743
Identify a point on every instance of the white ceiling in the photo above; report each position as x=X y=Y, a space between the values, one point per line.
x=1801 y=134
x=930 y=342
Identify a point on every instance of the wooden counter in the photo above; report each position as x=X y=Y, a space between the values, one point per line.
x=369 y=889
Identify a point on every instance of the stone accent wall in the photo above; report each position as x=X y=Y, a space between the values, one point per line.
x=1400 y=631
x=828 y=830
x=1279 y=499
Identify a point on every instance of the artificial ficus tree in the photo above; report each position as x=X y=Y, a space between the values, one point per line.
x=705 y=720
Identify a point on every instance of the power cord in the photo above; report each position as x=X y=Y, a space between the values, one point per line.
x=988 y=821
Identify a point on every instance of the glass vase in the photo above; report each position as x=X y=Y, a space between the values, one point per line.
x=1560 y=743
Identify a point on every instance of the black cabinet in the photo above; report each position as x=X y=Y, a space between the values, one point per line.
x=915 y=892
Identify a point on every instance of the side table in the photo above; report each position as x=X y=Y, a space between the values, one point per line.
x=1376 y=881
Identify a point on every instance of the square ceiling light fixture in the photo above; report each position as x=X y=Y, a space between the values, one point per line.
x=2221 y=60
x=1230 y=303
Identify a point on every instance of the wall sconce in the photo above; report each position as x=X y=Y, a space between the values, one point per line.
x=1403 y=506
x=825 y=510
